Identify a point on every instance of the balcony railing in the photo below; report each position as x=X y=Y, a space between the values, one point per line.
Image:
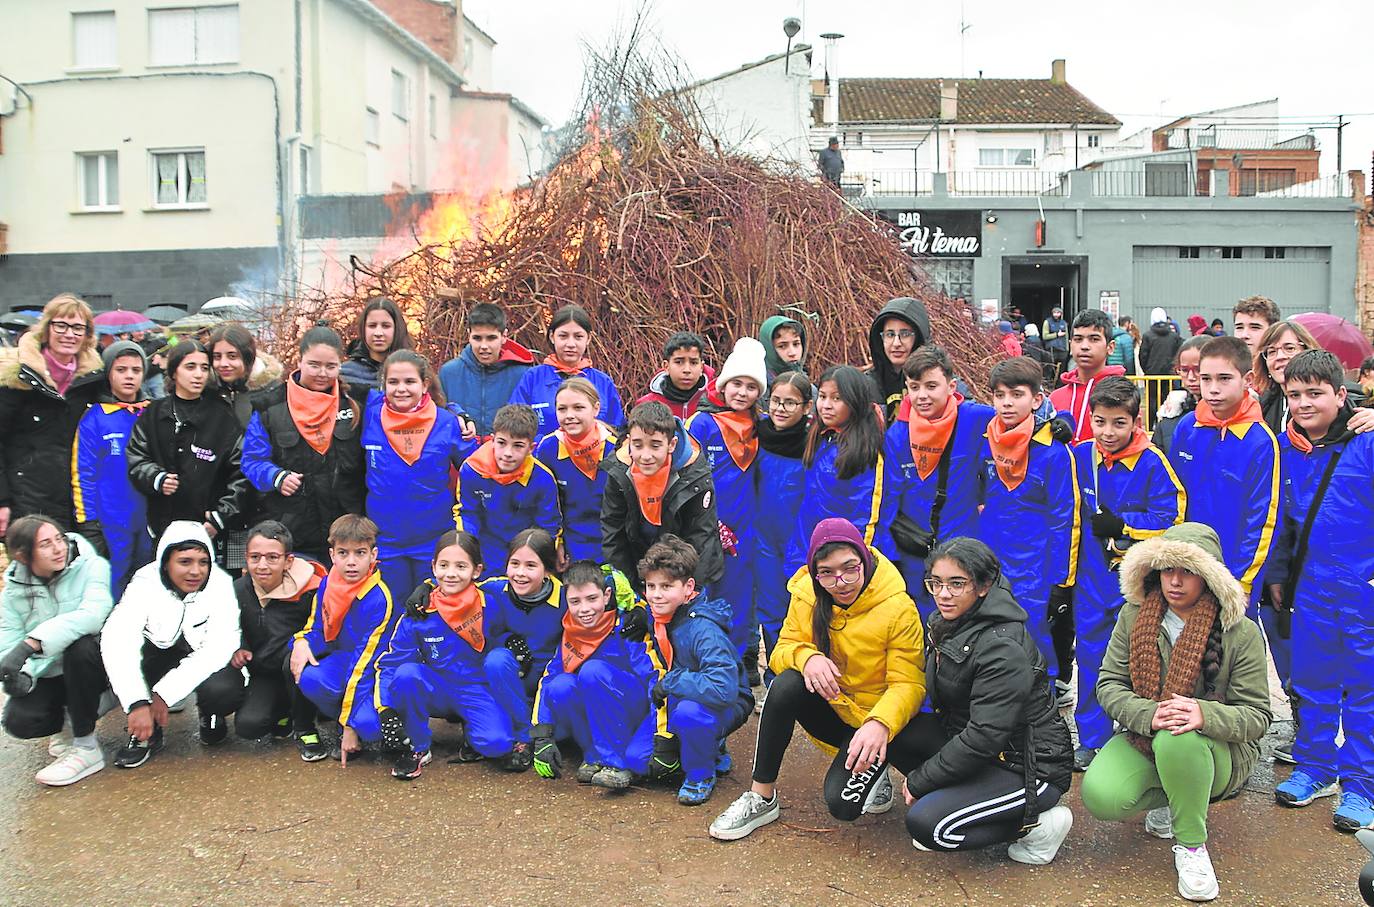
x=1232 y=139
x=1170 y=180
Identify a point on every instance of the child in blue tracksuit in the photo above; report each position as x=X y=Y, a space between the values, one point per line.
x=333 y=657
x=529 y=601
x=1030 y=495
x=781 y=475
x=595 y=690
x=573 y=454
x=932 y=452
x=570 y=332
x=482 y=378
x=434 y=665
x=106 y=504
x=703 y=688
x=410 y=444
x=1324 y=581
x=503 y=489
x=726 y=427
x=1129 y=493
x=844 y=465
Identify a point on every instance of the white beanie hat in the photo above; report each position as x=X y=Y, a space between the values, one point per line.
x=744 y=361
x=1158 y=315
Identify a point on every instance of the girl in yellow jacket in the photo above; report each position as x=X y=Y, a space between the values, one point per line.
x=849 y=666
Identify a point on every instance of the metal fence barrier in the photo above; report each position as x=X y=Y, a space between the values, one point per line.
x=1153 y=391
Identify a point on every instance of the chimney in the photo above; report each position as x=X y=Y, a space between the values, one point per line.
x=949 y=100
x=832 y=77
x=1057 y=72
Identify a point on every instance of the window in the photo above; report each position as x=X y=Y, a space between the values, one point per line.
x=400 y=96
x=1006 y=157
x=467 y=56
x=94 y=42
x=372 y=128
x=1230 y=252
x=433 y=117
x=97 y=178
x=303 y=173
x=1273 y=252
x=1189 y=252
x=191 y=36
x=1054 y=143
x=179 y=179
x=1094 y=141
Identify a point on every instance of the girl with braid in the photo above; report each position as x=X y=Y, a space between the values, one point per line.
x=1186 y=679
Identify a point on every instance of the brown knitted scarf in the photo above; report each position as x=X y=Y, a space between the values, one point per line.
x=1185 y=662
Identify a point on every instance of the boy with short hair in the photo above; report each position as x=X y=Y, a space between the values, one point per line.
x=1228 y=462
x=703 y=689
x=1090 y=344
x=1320 y=575
x=658 y=483
x=931 y=465
x=503 y=489
x=1251 y=317
x=1030 y=511
x=595 y=691
x=1130 y=493
x=682 y=380
x=333 y=657
x=483 y=376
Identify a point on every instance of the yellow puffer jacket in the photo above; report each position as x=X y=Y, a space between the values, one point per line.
x=875 y=642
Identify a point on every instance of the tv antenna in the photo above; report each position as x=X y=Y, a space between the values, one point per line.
x=964 y=26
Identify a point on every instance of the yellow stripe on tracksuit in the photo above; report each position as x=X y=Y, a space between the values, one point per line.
x=1271 y=516
x=78 y=499
x=377 y=667
x=661 y=718
x=1180 y=497
x=375 y=637
x=1076 y=527
x=876 y=503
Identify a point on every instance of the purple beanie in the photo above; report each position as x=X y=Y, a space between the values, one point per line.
x=838 y=530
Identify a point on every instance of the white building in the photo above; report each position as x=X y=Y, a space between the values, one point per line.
x=762 y=108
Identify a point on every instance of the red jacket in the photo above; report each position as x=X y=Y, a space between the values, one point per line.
x=682 y=408
x=1072 y=399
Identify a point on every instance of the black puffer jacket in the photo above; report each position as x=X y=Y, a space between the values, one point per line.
x=263 y=378
x=1158 y=347
x=268 y=627
x=37 y=425
x=988 y=686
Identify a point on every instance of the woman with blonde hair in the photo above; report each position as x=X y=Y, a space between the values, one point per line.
x=46 y=383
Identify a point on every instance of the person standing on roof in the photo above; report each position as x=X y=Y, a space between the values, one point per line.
x=831 y=162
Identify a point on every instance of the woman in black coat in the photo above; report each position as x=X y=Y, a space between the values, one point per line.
x=184 y=450
x=1006 y=756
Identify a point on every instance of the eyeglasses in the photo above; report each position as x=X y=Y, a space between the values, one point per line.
x=955 y=586
x=68 y=327
x=265 y=558
x=1288 y=349
x=897 y=335
x=1187 y=370
x=848 y=576
x=785 y=405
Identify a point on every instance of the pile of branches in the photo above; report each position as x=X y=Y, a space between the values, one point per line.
x=653 y=227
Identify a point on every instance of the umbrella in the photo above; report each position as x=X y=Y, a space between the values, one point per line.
x=164 y=314
x=18 y=321
x=228 y=308
x=189 y=324
x=121 y=322
x=1338 y=336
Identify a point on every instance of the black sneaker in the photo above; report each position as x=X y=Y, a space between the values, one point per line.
x=408 y=767
x=213 y=729
x=282 y=729
x=466 y=754
x=394 y=737
x=1283 y=750
x=311 y=747
x=520 y=759
x=136 y=752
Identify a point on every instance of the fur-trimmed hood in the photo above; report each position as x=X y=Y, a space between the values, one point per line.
x=29 y=355
x=267 y=370
x=1194 y=547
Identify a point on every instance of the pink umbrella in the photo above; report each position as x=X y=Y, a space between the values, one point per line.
x=121 y=322
x=1338 y=336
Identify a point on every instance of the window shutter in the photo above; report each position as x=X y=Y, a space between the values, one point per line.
x=94 y=42
x=217 y=34
x=171 y=37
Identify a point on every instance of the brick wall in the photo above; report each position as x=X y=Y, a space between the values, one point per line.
x=1364 y=268
x=434 y=22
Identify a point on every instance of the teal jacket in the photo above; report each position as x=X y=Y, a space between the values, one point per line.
x=57 y=613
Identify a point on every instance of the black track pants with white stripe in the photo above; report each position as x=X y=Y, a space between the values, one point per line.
x=983 y=810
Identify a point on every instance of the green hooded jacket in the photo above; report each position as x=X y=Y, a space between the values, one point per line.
x=771 y=360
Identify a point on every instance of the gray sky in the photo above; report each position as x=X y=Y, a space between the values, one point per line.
x=1137 y=60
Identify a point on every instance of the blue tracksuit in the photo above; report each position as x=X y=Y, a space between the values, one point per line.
x=603 y=706
x=342 y=683
x=579 y=498
x=495 y=513
x=1143 y=491
x=542 y=627
x=430 y=671
x=708 y=692
x=1034 y=530
x=736 y=506
x=539 y=387
x=1333 y=613
x=102 y=492
x=858 y=499
x=411 y=505
x=780 y=480
x=904 y=491
x=483 y=389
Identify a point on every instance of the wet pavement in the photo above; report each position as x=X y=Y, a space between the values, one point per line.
x=250 y=823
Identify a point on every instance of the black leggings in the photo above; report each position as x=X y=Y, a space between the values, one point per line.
x=76 y=692
x=984 y=809
x=789 y=703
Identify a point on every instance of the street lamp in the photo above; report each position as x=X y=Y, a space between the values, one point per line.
x=790 y=26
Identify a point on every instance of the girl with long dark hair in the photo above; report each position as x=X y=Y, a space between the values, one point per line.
x=570 y=333
x=381 y=330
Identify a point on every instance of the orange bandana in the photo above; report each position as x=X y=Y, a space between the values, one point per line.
x=408 y=432
x=558 y=366
x=339 y=596
x=929 y=437
x=314 y=414
x=1139 y=441
x=1247 y=412
x=463 y=613
x=580 y=642
x=665 y=645
x=483 y=462
x=1299 y=440
x=740 y=433
x=585 y=452
x=1011 y=450
x=650 y=491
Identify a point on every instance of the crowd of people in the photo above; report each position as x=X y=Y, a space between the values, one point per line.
x=341 y=552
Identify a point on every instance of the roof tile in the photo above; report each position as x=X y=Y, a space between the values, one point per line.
x=981 y=101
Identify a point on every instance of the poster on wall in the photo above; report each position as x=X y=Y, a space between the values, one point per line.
x=937 y=234
x=1110 y=302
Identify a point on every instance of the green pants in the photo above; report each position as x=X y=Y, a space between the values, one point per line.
x=1188 y=771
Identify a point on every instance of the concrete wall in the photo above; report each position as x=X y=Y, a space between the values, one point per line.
x=763 y=110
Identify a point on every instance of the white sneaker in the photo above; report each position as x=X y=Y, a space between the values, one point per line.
x=76 y=763
x=759 y=700
x=1197 y=881
x=1042 y=843
x=747 y=813
x=1160 y=823
x=58 y=744
x=880 y=798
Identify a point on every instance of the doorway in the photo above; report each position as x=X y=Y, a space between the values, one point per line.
x=1036 y=284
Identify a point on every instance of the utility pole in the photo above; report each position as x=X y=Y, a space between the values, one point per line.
x=1340 y=126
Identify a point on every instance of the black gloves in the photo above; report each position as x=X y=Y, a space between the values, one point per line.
x=394 y=738
x=417 y=606
x=634 y=624
x=1061 y=431
x=548 y=758
x=1107 y=525
x=12 y=679
x=517 y=646
x=666 y=760
x=659 y=695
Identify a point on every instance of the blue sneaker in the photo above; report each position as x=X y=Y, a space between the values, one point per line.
x=1302 y=788
x=724 y=764
x=1353 y=812
x=695 y=793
